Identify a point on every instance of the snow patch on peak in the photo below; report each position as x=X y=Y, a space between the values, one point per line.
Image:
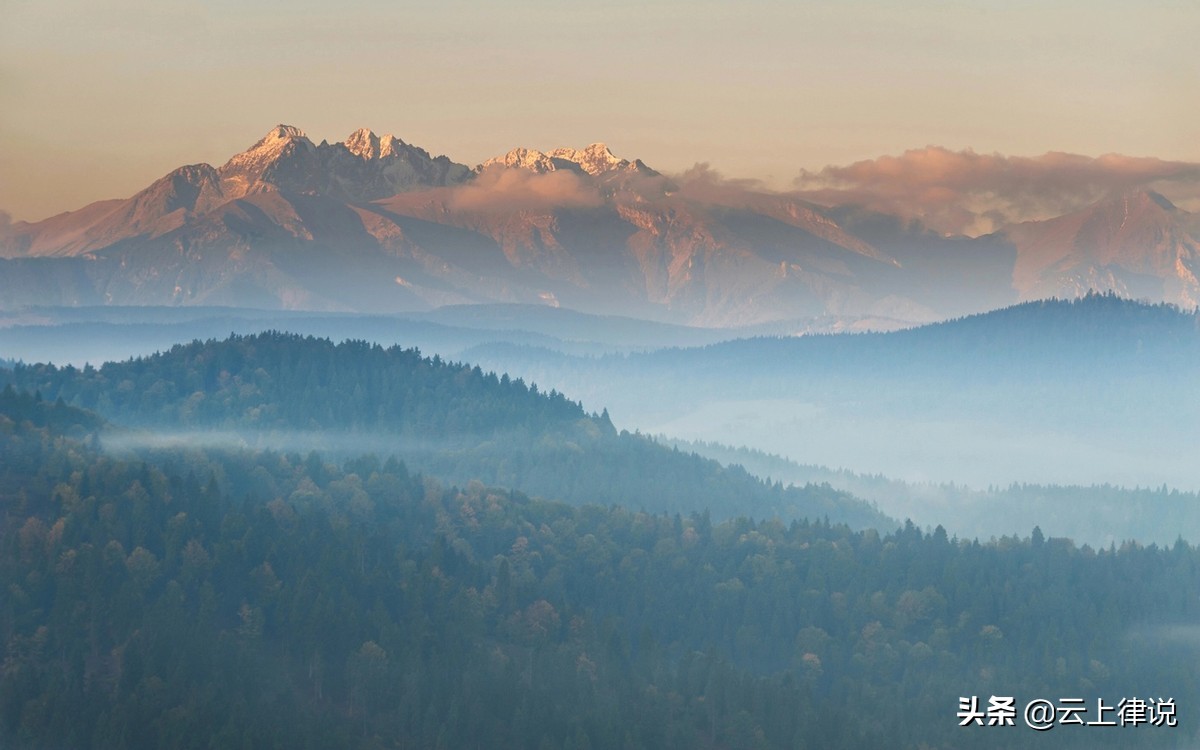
x=595 y=160
x=270 y=147
x=364 y=144
x=524 y=158
x=280 y=133
x=597 y=151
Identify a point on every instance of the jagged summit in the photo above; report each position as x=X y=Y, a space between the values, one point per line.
x=289 y=218
x=243 y=171
x=364 y=144
x=595 y=160
x=530 y=159
x=364 y=167
x=276 y=139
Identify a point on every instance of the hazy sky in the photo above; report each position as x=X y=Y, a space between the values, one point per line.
x=97 y=99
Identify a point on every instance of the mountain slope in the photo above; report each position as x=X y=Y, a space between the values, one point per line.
x=185 y=598
x=373 y=224
x=363 y=168
x=1138 y=244
x=297 y=394
x=595 y=160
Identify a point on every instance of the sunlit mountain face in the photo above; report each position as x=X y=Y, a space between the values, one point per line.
x=374 y=224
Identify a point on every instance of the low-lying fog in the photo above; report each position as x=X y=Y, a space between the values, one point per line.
x=978 y=454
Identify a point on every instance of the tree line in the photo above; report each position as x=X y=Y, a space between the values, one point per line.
x=223 y=598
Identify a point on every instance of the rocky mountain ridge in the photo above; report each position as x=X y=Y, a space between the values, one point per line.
x=375 y=224
x=595 y=160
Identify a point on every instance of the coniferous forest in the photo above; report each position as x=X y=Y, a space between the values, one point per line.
x=450 y=420
x=209 y=595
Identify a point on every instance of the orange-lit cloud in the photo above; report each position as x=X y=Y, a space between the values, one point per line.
x=703 y=182
x=500 y=189
x=970 y=193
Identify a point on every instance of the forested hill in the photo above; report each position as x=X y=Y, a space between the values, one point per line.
x=17 y=407
x=276 y=381
x=450 y=420
x=1100 y=336
x=239 y=599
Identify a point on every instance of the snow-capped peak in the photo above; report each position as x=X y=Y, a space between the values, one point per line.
x=364 y=144
x=269 y=147
x=280 y=134
x=524 y=158
x=595 y=160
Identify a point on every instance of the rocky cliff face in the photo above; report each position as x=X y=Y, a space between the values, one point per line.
x=1138 y=245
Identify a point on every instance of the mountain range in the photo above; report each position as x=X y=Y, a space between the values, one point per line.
x=374 y=224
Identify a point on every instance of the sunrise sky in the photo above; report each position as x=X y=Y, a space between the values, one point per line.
x=99 y=99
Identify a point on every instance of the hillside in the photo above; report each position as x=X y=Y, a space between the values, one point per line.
x=233 y=598
x=1138 y=244
x=301 y=394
